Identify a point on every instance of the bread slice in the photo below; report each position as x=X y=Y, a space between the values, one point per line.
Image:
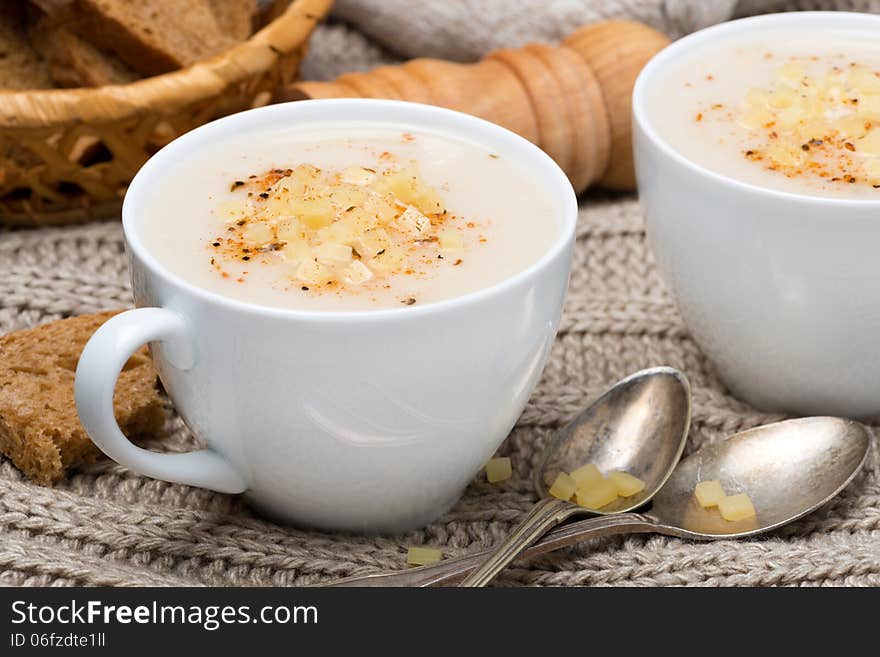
x=150 y=36
x=21 y=67
x=74 y=62
x=235 y=17
x=40 y=431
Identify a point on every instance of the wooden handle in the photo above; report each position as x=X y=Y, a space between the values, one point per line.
x=572 y=100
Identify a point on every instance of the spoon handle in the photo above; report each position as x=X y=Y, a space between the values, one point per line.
x=452 y=569
x=544 y=516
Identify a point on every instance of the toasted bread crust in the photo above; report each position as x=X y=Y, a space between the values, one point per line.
x=40 y=431
x=150 y=36
x=21 y=66
x=235 y=17
x=73 y=61
x=90 y=43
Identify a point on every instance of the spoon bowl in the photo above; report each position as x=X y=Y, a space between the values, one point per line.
x=638 y=426
x=788 y=469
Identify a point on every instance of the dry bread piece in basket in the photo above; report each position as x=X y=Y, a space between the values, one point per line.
x=235 y=17
x=21 y=66
x=67 y=155
x=150 y=36
x=75 y=62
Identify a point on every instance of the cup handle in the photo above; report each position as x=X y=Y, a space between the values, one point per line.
x=103 y=358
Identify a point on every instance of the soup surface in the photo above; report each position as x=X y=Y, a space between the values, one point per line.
x=796 y=111
x=350 y=218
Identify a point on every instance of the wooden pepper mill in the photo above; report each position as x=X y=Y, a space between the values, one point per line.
x=573 y=100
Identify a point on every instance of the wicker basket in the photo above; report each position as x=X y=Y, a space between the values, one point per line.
x=67 y=155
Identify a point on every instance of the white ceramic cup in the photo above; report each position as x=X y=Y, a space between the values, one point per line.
x=781 y=291
x=364 y=421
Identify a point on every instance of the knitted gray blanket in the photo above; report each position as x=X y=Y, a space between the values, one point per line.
x=107 y=526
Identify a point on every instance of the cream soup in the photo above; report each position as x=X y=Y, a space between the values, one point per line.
x=348 y=218
x=796 y=111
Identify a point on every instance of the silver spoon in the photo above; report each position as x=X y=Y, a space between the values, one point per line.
x=788 y=469
x=639 y=426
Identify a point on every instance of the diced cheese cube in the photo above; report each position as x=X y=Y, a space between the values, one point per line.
x=429 y=201
x=340 y=232
x=332 y=253
x=782 y=98
x=278 y=205
x=870 y=143
x=449 y=239
x=626 y=484
x=347 y=196
x=833 y=93
x=790 y=118
x=289 y=186
x=853 y=126
x=357 y=176
x=872 y=170
x=587 y=475
x=407 y=186
x=811 y=129
x=864 y=80
x=709 y=493
x=356 y=273
x=784 y=155
x=314 y=273
x=381 y=207
x=869 y=107
x=791 y=74
x=360 y=221
x=421 y=556
x=288 y=230
x=299 y=182
x=498 y=469
x=387 y=260
x=257 y=232
x=736 y=507
x=315 y=213
x=307 y=172
x=601 y=493
x=371 y=242
x=412 y=221
x=563 y=486
x=404 y=184
x=295 y=252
